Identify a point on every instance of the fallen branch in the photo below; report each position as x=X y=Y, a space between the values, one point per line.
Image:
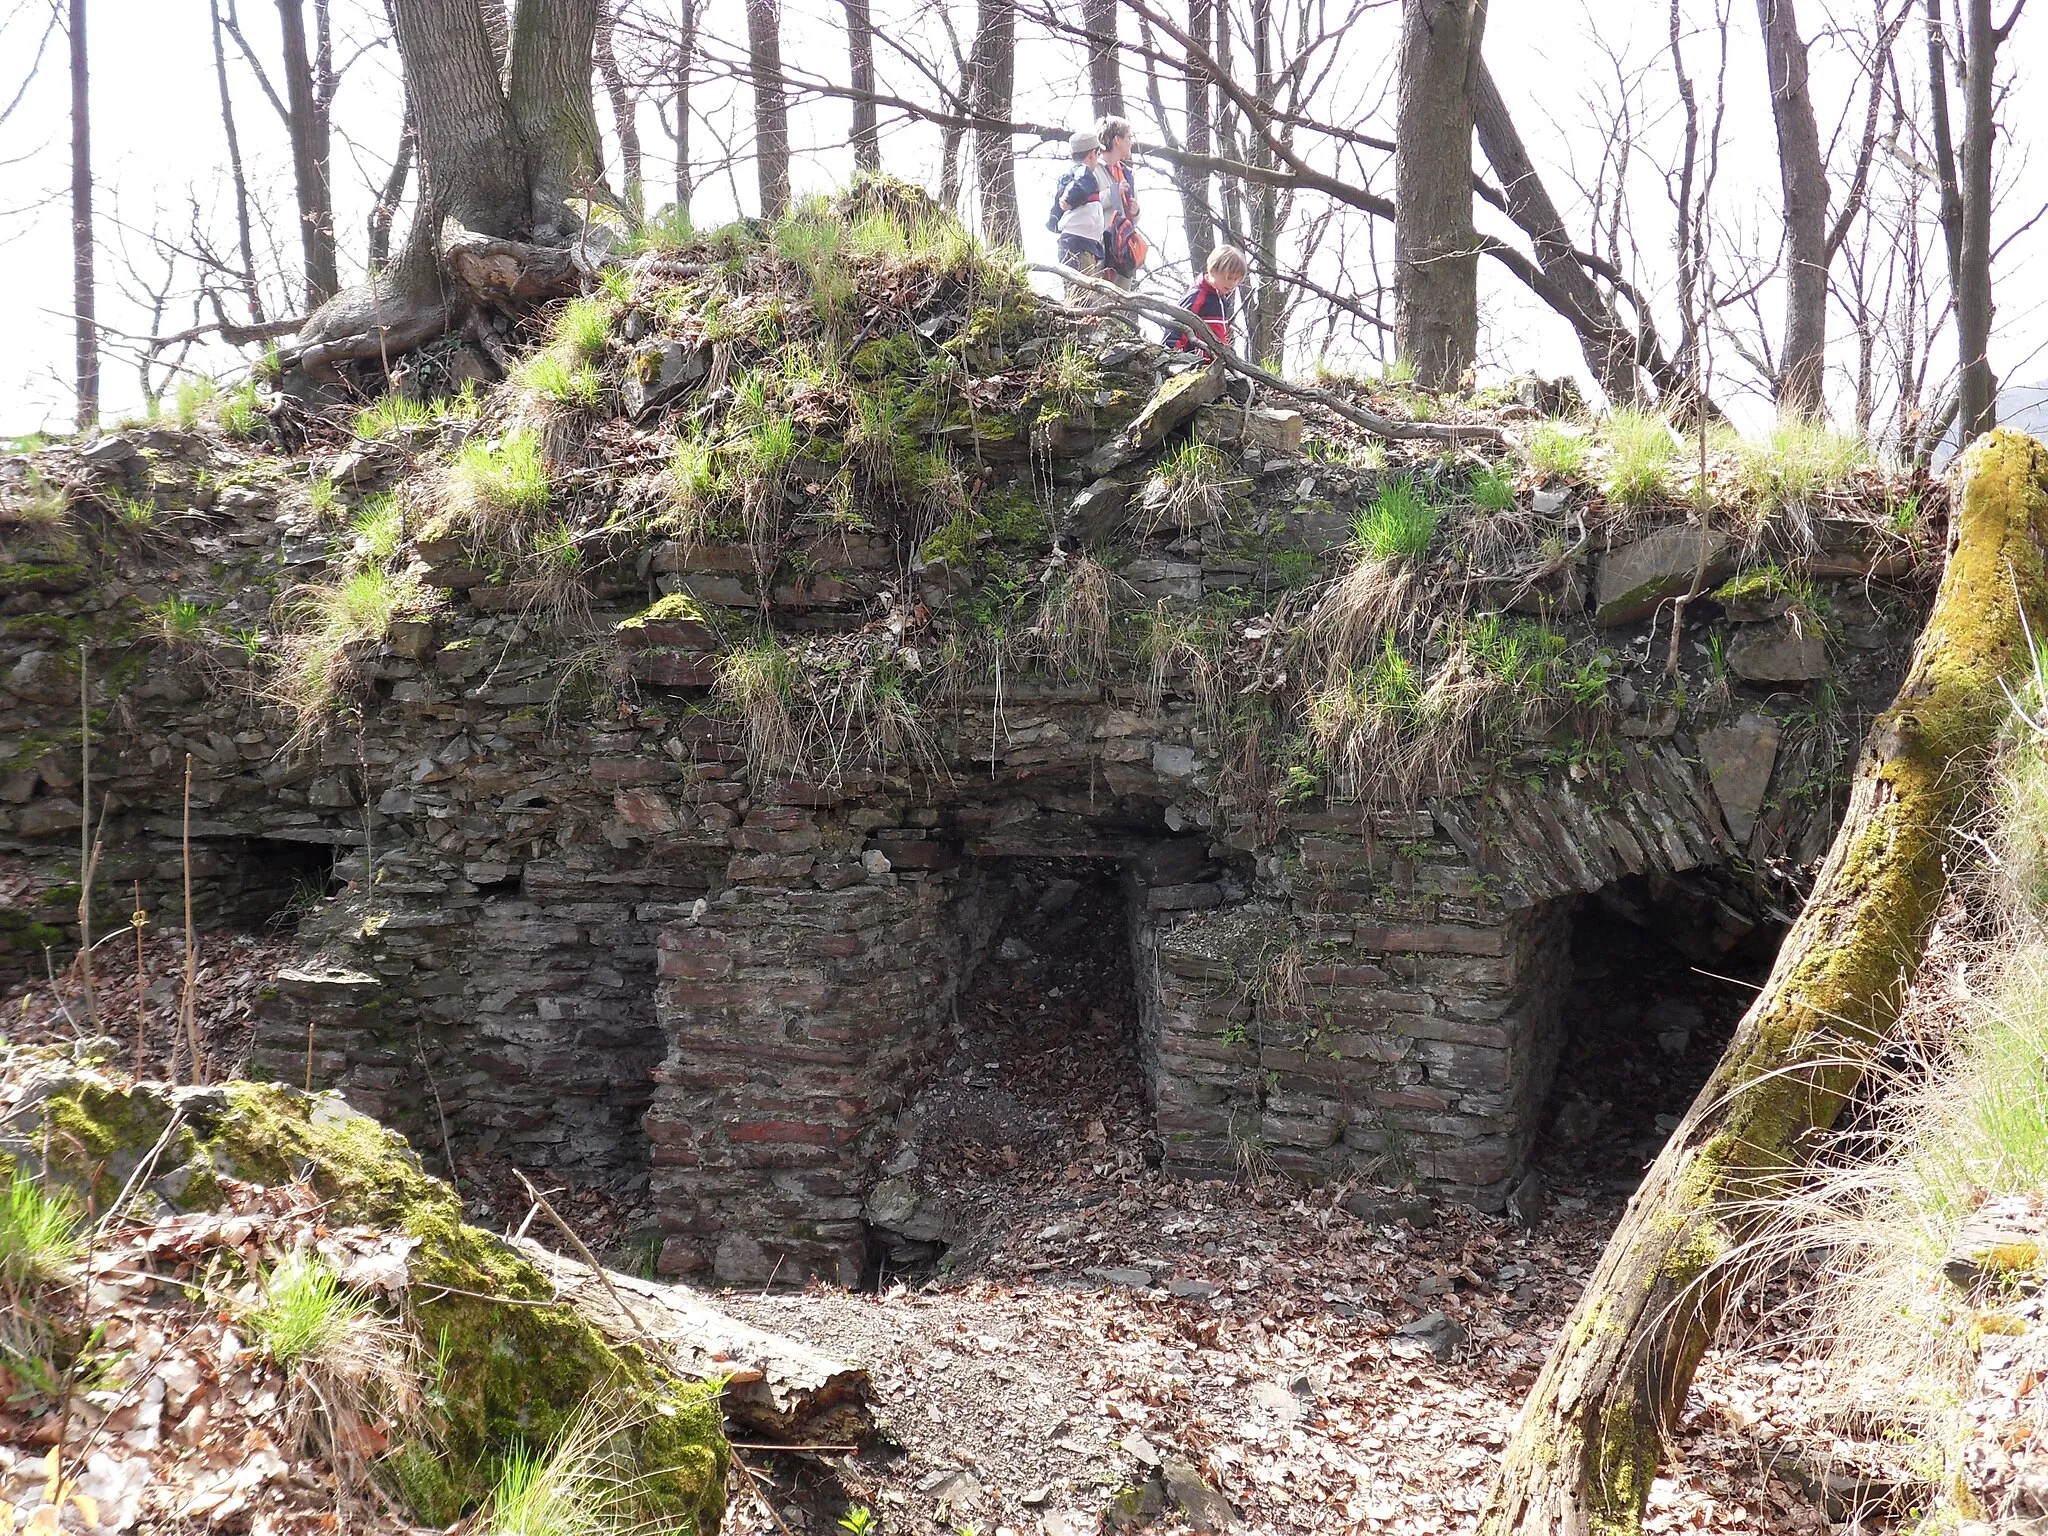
x=1197 y=331
x=781 y=1389
x=1591 y=1436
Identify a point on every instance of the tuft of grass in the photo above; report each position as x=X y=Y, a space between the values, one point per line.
x=237 y=410
x=1793 y=463
x=1398 y=524
x=666 y=232
x=501 y=477
x=584 y=329
x=1557 y=450
x=346 y=1365
x=378 y=529
x=1193 y=488
x=1068 y=376
x=1492 y=489
x=1640 y=449
x=1188 y=647
x=560 y=382
x=1070 y=634
x=190 y=399
x=323 y=497
x=390 y=414
x=41 y=1235
x=759 y=680
x=305 y=1312
x=580 y=1485
x=132 y=511
x=321 y=622
x=177 y=622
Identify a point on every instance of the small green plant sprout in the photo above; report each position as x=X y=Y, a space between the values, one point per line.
x=174 y=621
x=1902 y=513
x=41 y=1235
x=1557 y=450
x=1640 y=450
x=390 y=414
x=1398 y=524
x=1492 y=489
x=859 y=1520
x=1398 y=372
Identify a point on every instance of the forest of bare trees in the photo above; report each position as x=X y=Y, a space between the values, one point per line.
x=1381 y=190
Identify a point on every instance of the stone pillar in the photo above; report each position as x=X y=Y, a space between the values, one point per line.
x=795 y=1019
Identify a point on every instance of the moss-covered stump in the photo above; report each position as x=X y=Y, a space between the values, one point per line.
x=513 y=1367
x=1587 y=1446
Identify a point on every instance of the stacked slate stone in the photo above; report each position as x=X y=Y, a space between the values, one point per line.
x=587 y=919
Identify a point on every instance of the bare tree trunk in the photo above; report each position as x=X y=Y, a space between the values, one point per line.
x=624 y=109
x=501 y=147
x=860 y=56
x=1436 y=262
x=686 y=53
x=771 y=106
x=1608 y=346
x=252 y=290
x=1803 y=178
x=1262 y=335
x=995 y=75
x=85 y=327
x=1978 y=409
x=393 y=191
x=1105 y=64
x=307 y=126
x=1194 y=184
x=552 y=49
x=1586 y=1448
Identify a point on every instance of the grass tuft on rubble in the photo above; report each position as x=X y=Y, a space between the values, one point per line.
x=41 y=1235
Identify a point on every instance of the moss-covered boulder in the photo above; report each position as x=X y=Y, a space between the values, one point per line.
x=513 y=1365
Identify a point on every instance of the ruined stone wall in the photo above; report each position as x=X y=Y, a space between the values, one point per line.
x=578 y=928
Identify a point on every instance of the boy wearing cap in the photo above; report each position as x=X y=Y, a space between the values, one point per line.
x=1077 y=207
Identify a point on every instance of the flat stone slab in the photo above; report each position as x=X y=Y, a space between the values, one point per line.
x=1782 y=651
x=1633 y=579
x=1739 y=757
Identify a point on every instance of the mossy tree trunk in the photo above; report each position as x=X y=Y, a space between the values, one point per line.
x=1588 y=1444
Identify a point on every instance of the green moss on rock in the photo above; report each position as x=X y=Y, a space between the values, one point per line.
x=514 y=1367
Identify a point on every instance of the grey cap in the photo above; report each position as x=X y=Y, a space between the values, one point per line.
x=1082 y=142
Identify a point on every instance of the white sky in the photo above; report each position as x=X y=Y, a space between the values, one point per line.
x=159 y=151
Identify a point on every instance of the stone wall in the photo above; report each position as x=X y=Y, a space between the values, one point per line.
x=577 y=928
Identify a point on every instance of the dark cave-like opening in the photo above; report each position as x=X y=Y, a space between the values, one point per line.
x=1044 y=1068
x=1660 y=975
